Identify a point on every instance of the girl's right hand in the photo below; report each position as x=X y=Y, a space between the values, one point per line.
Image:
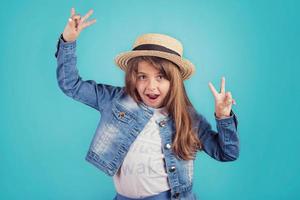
x=76 y=24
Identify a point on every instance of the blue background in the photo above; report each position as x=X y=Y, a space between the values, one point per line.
x=45 y=135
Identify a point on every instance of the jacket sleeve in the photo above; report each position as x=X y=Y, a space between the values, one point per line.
x=224 y=144
x=88 y=92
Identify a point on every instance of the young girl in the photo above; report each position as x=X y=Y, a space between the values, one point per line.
x=149 y=132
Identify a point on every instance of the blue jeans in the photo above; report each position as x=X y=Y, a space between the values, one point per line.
x=161 y=196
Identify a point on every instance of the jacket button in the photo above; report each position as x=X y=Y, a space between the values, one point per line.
x=162 y=123
x=121 y=114
x=168 y=146
x=172 y=169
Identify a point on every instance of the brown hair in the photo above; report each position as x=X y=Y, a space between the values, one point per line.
x=185 y=143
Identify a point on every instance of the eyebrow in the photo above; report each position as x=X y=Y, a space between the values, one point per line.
x=147 y=74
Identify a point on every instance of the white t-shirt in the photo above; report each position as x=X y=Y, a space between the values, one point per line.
x=143 y=172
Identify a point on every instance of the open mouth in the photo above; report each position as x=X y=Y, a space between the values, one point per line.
x=152 y=96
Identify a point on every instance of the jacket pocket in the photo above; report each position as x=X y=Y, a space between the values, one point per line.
x=122 y=114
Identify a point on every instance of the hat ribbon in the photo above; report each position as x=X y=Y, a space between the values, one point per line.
x=155 y=47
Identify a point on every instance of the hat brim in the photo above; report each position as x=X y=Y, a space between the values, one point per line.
x=185 y=66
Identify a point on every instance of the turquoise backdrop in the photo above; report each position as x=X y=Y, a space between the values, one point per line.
x=45 y=135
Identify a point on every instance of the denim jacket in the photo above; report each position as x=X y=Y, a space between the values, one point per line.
x=122 y=119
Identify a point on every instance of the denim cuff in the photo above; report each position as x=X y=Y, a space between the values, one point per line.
x=67 y=47
x=228 y=120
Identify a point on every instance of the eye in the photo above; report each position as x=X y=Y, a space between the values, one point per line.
x=141 y=77
x=160 y=77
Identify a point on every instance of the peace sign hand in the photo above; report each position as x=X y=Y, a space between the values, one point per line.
x=76 y=24
x=223 y=101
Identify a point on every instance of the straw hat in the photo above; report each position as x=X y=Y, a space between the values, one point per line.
x=164 y=46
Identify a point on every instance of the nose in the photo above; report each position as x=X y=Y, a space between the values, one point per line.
x=152 y=84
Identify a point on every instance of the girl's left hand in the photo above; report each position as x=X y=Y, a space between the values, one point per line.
x=223 y=101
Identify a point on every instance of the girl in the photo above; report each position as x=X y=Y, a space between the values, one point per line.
x=149 y=132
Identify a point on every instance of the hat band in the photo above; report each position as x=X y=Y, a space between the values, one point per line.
x=155 y=47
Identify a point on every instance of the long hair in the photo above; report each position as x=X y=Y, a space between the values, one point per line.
x=185 y=142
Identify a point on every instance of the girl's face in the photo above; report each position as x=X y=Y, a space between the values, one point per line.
x=151 y=85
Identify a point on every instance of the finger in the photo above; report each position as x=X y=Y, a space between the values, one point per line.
x=223 y=85
x=229 y=98
x=76 y=20
x=228 y=94
x=72 y=12
x=213 y=89
x=87 y=15
x=86 y=24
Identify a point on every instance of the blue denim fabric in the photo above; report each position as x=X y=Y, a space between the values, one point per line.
x=122 y=119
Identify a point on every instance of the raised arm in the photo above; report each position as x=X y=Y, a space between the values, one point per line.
x=222 y=145
x=69 y=81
